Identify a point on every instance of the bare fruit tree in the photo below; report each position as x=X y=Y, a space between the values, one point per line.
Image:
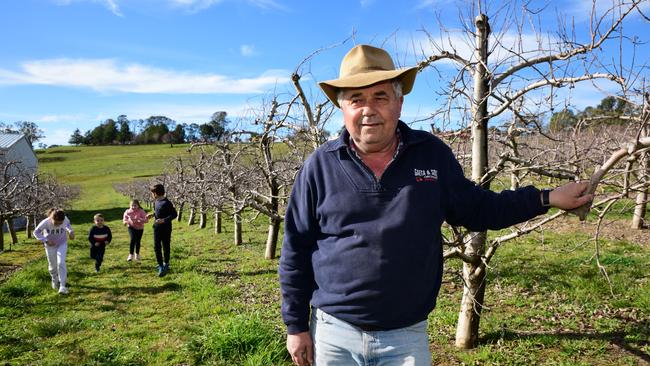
x=24 y=193
x=252 y=167
x=504 y=76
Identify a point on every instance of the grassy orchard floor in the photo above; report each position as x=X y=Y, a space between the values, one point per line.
x=548 y=304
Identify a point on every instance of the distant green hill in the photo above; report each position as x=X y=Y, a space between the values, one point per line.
x=96 y=168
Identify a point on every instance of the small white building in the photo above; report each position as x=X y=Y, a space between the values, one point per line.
x=14 y=147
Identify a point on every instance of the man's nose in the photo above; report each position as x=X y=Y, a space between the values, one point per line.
x=368 y=111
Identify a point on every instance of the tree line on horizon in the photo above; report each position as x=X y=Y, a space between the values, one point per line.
x=152 y=130
x=164 y=130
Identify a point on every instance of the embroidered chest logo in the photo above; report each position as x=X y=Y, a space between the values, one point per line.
x=425 y=175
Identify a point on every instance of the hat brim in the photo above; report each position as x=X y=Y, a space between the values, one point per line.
x=332 y=87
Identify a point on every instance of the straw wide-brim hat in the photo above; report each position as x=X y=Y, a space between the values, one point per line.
x=364 y=66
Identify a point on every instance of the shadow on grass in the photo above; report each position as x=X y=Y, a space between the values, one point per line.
x=148 y=290
x=78 y=217
x=235 y=274
x=260 y=272
x=50 y=159
x=616 y=337
x=63 y=151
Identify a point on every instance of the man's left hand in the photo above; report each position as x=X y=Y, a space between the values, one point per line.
x=570 y=195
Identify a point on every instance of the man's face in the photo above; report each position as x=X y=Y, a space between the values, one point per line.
x=370 y=115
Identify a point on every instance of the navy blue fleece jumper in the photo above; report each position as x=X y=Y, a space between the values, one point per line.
x=369 y=251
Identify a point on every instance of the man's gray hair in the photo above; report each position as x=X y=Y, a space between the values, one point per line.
x=397 y=88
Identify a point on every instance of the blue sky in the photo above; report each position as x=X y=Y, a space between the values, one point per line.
x=68 y=64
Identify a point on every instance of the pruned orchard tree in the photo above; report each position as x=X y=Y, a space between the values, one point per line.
x=299 y=124
x=503 y=75
x=252 y=167
x=136 y=189
x=24 y=193
x=229 y=179
x=642 y=173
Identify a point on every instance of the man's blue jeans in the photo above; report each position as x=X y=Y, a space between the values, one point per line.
x=337 y=343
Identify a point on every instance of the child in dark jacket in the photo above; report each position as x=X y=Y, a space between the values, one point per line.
x=164 y=213
x=99 y=237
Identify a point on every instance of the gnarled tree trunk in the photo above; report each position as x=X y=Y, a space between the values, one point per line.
x=191 y=220
x=238 y=227
x=217 y=221
x=474 y=285
x=641 y=204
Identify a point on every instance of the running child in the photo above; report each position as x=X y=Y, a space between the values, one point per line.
x=165 y=213
x=99 y=237
x=54 y=232
x=135 y=218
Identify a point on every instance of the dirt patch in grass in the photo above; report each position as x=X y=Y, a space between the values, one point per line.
x=6 y=270
x=618 y=230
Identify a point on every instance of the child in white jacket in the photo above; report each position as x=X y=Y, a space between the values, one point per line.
x=54 y=232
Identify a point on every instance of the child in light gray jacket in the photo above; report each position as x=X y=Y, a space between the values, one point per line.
x=53 y=232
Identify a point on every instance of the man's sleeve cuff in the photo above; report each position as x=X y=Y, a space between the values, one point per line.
x=295 y=329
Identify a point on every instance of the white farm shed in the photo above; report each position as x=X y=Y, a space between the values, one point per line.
x=14 y=147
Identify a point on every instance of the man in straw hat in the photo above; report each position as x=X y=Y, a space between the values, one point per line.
x=361 y=262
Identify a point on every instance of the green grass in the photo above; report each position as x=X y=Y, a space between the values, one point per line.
x=546 y=301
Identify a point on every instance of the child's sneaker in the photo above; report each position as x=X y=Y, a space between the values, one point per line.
x=128 y=259
x=63 y=290
x=161 y=271
x=137 y=257
x=55 y=285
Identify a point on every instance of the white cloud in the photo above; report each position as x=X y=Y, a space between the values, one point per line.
x=582 y=9
x=267 y=4
x=107 y=75
x=54 y=118
x=108 y=4
x=57 y=137
x=247 y=50
x=183 y=113
x=194 y=6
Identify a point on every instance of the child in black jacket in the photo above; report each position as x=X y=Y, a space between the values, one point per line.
x=165 y=213
x=99 y=237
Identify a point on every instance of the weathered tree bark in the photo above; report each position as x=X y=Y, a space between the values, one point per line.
x=180 y=211
x=238 y=227
x=274 y=226
x=12 y=231
x=630 y=149
x=217 y=221
x=272 y=239
x=31 y=225
x=203 y=219
x=640 y=208
x=2 y=234
x=469 y=318
x=474 y=286
x=192 y=219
